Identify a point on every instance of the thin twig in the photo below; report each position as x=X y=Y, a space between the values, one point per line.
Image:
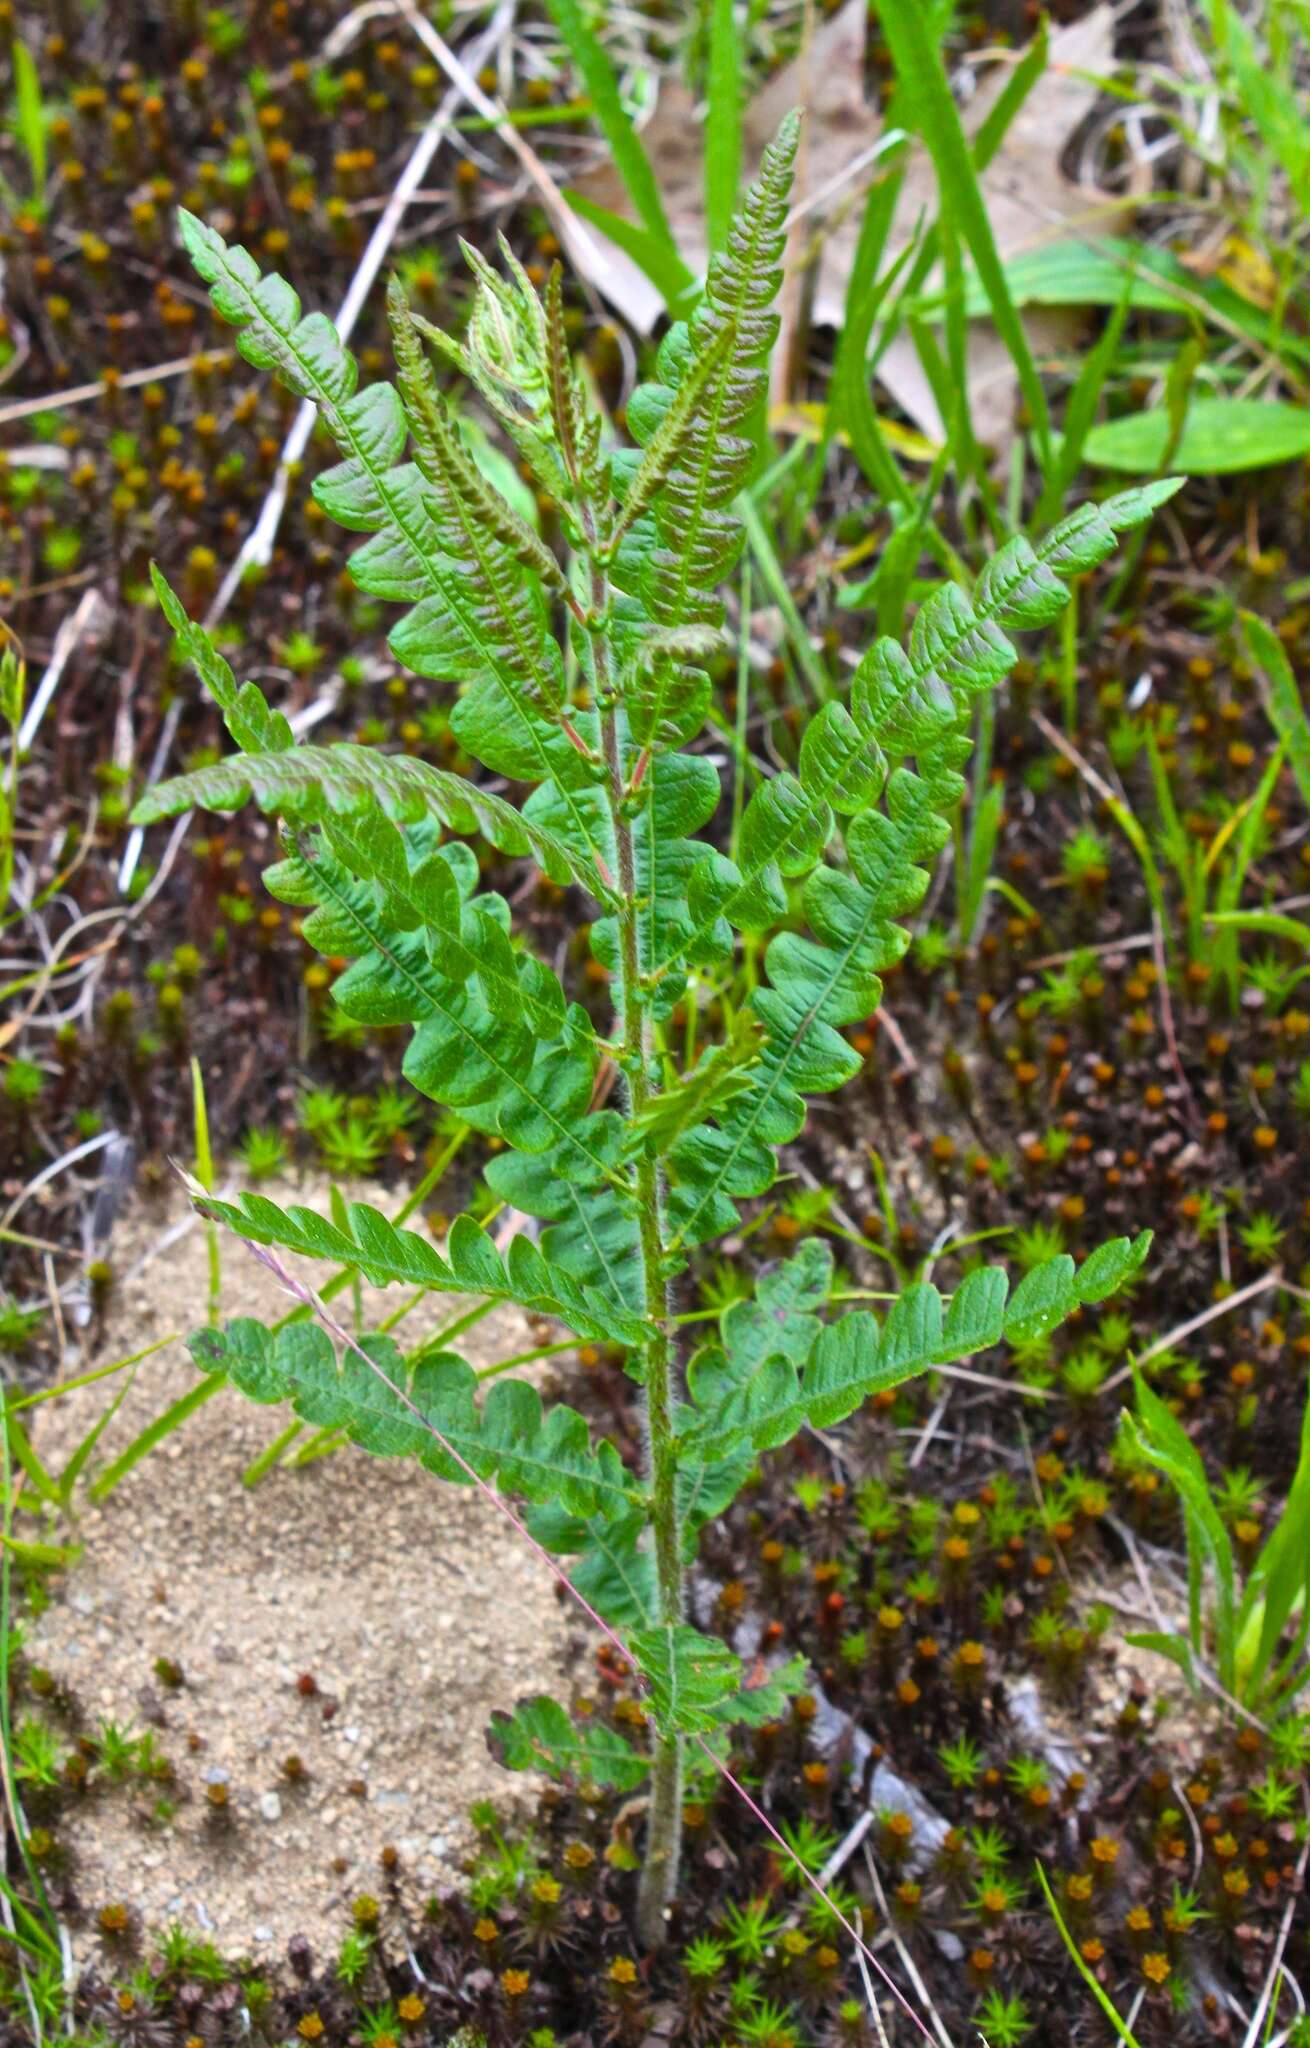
x=907 y=1960
x=1194 y=1323
x=883 y=1016
x=258 y=545
x=1280 y=1944
x=582 y=249
x=82 y=394
x=74 y=629
x=846 y=1848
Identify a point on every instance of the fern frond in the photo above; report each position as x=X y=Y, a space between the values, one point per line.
x=611 y=1563
x=763 y=1400
x=368 y=1241
x=676 y=539
x=534 y=1093
x=576 y=422
x=718 y=1076
x=901 y=703
x=670 y=443
x=431 y=894
x=679 y=795
x=446 y=464
x=698 y=538
x=816 y=985
x=246 y=713
x=310 y=785
x=593 y=1230
x=392 y=1410
x=539 y=1736
x=690 y=1676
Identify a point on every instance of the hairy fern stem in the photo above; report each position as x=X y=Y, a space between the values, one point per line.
x=659 y=1876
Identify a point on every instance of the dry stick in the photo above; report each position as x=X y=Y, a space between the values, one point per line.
x=307 y=1297
x=73 y=630
x=82 y=394
x=846 y=1848
x=574 y=236
x=873 y=2003
x=1194 y=1323
x=884 y=1017
x=1134 y=945
x=1280 y=1945
x=258 y=545
x=903 y=1952
x=113 y=912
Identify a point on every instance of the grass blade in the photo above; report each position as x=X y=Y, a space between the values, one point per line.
x=162 y=1426
x=630 y=158
x=1121 y=2028
x=722 y=124
x=662 y=265
x=995 y=127
x=928 y=100
x=1286 y=711
x=30 y=117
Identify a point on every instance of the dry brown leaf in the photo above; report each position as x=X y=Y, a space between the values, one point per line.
x=1029 y=199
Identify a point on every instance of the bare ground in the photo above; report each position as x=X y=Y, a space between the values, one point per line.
x=356 y=1614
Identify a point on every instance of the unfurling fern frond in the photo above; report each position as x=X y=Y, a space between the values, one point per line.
x=735 y=326
x=583 y=676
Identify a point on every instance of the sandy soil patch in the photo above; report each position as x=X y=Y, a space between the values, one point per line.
x=357 y=1614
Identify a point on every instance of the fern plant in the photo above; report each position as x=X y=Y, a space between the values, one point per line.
x=584 y=679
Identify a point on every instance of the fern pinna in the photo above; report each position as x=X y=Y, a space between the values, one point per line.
x=585 y=682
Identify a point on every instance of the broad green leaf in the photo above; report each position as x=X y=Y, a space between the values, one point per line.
x=1220 y=437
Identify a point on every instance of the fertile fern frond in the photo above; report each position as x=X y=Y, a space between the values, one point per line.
x=467 y=513
x=698 y=536
x=374 y=490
